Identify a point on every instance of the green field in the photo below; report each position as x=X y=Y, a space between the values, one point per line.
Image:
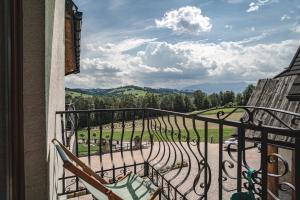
x=213 y=131
x=125 y=90
x=117 y=135
x=215 y=111
x=77 y=94
x=135 y=92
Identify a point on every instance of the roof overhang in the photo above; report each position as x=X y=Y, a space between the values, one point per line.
x=294 y=93
x=294 y=68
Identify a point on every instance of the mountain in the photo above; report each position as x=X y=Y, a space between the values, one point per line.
x=131 y=89
x=217 y=87
x=141 y=91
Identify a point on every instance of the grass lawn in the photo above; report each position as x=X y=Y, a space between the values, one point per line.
x=135 y=92
x=83 y=134
x=214 y=112
x=213 y=131
x=77 y=94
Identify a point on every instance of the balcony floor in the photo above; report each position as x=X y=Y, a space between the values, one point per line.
x=252 y=156
x=89 y=197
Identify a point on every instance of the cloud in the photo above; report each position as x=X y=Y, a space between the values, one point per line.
x=253 y=39
x=234 y=1
x=285 y=17
x=163 y=64
x=296 y=29
x=229 y=27
x=187 y=19
x=251 y=28
x=125 y=45
x=255 y=6
x=115 y=4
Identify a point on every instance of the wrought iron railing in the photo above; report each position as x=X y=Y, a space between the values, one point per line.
x=174 y=150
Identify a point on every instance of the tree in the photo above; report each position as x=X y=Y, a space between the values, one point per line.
x=199 y=98
x=247 y=93
x=239 y=99
x=167 y=102
x=127 y=101
x=206 y=103
x=189 y=106
x=150 y=100
x=228 y=97
x=221 y=98
x=99 y=103
x=215 y=100
x=178 y=103
x=68 y=98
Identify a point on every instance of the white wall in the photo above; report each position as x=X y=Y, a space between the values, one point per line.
x=34 y=99
x=43 y=50
x=55 y=88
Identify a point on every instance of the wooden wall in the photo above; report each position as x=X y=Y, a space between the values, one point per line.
x=272 y=93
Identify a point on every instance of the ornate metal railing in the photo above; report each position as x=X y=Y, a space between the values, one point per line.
x=173 y=150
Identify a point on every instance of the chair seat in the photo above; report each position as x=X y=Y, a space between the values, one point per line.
x=132 y=187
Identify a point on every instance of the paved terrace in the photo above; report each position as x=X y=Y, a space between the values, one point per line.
x=253 y=159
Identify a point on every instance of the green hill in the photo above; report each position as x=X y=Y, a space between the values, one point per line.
x=134 y=90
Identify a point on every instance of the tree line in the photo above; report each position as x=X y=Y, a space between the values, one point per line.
x=197 y=100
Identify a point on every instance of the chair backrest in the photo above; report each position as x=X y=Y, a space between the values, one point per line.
x=83 y=171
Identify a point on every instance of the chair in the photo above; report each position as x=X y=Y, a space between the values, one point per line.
x=129 y=187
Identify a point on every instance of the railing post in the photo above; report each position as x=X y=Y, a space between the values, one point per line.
x=241 y=148
x=76 y=145
x=146 y=169
x=62 y=124
x=297 y=167
x=206 y=160
x=110 y=146
x=220 y=180
x=264 y=165
x=89 y=136
x=63 y=141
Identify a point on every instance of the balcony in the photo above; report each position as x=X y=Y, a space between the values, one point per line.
x=185 y=154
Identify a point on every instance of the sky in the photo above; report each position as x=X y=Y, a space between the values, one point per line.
x=178 y=43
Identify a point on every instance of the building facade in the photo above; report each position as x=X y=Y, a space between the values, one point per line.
x=32 y=89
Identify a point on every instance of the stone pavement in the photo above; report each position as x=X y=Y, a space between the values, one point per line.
x=166 y=156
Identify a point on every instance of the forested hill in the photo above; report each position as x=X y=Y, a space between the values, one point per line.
x=134 y=90
x=167 y=99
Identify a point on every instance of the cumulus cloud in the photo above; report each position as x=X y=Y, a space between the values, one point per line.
x=187 y=19
x=163 y=64
x=255 y=6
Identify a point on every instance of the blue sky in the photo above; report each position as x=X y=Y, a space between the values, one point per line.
x=177 y=43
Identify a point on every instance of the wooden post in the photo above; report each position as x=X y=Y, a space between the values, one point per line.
x=296 y=164
x=273 y=168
